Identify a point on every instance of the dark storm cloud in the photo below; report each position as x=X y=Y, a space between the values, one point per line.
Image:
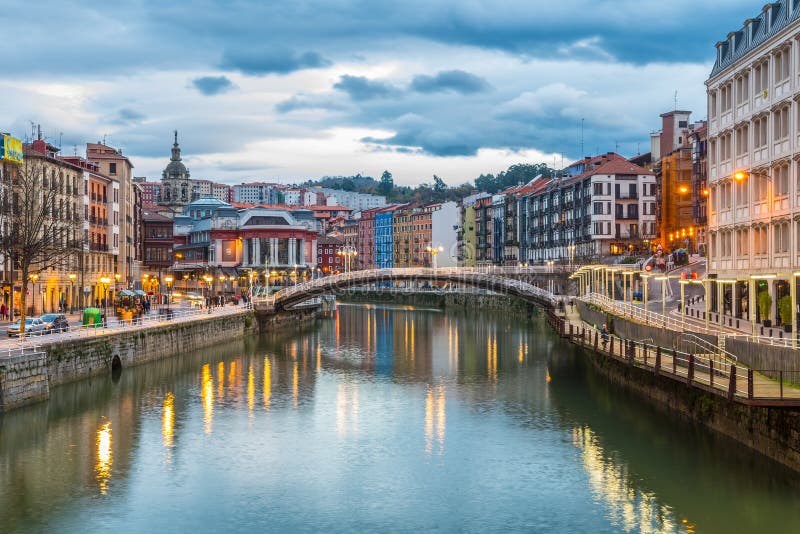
x=205 y=33
x=450 y=80
x=270 y=61
x=212 y=85
x=361 y=88
x=126 y=116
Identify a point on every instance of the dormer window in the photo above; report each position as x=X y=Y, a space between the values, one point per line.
x=767 y=17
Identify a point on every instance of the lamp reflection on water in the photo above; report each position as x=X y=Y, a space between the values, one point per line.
x=267 y=382
x=104 y=458
x=251 y=389
x=347 y=409
x=168 y=419
x=207 y=396
x=629 y=508
x=435 y=418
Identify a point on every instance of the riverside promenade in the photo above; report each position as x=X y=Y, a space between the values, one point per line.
x=707 y=368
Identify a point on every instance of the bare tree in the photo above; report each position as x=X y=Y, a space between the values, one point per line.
x=38 y=233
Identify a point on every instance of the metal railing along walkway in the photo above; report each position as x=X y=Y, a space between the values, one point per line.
x=164 y=316
x=672 y=322
x=731 y=380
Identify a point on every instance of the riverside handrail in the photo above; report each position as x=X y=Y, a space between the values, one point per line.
x=626 y=310
x=175 y=315
x=733 y=381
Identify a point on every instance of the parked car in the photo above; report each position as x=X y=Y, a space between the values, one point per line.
x=33 y=326
x=55 y=322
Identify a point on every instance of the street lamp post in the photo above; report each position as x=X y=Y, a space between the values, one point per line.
x=34 y=278
x=434 y=251
x=208 y=280
x=72 y=277
x=168 y=279
x=105 y=280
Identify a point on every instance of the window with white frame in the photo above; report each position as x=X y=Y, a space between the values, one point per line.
x=780 y=121
x=781 y=178
x=743 y=88
x=781 y=65
x=761 y=77
x=712 y=152
x=725 y=98
x=741 y=192
x=742 y=139
x=712 y=103
x=781 y=237
x=742 y=242
x=760 y=131
x=725 y=142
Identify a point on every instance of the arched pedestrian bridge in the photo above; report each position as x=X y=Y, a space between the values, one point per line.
x=509 y=282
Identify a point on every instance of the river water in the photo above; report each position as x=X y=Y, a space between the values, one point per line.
x=382 y=419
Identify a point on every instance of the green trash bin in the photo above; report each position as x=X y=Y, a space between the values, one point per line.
x=93 y=317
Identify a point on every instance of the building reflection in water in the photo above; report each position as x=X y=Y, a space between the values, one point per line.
x=347 y=409
x=435 y=419
x=629 y=508
x=104 y=458
x=207 y=396
x=168 y=420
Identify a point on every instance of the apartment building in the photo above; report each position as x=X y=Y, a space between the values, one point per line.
x=603 y=206
x=753 y=174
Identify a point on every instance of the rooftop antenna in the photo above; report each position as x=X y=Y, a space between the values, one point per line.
x=616 y=147
x=638 y=148
x=60 y=134
x=676 y=100
x=582 y=154
x=104 y=139
x=75 y=150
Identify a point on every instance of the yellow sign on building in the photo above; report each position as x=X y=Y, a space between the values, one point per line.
x=11 y=149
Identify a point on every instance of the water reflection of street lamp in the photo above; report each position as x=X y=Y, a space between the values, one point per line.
x=105 y=280
x=222 y=283
x=72 y=277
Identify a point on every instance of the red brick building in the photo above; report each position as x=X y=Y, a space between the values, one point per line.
x=328 y=258
x=366 y=239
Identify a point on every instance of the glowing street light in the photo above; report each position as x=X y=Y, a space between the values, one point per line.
x=434 y=251
x=168 y=279
x=106 y=281
x=72 y=277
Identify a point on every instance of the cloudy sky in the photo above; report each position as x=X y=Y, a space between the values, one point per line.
x=289 y=90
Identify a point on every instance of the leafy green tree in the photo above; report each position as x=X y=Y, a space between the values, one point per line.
x=438 y=184
x=386 y=183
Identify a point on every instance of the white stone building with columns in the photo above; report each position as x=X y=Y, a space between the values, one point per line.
x=754 y=166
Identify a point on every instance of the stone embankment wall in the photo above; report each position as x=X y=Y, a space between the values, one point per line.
x=441 y=300
x=772 y=431
x=23 y=379
x=28 y=377
x=765 y=358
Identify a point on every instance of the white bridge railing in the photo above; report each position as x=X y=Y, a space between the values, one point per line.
x=493 y=279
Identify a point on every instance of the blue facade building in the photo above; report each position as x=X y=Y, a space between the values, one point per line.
x=384 y=239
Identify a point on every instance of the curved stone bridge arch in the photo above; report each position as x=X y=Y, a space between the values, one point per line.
x=291 y=296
